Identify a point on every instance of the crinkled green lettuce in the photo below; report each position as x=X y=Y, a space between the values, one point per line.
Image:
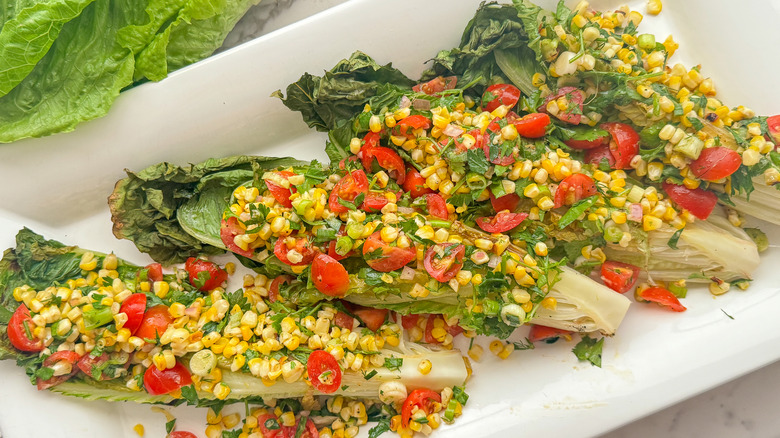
x=145 y=205
x=64 y=62
x=342 y=92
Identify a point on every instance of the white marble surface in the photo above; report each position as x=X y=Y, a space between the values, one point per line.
x=745 y=407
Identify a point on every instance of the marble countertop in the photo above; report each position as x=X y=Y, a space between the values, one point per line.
x=744 y=407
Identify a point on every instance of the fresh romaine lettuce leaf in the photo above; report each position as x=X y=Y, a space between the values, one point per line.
x=28 y=35
x=144 y=205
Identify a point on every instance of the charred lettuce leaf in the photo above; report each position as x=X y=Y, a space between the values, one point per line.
x=145 y=205
x=341 y=92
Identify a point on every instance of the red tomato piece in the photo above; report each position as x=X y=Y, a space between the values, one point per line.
x=501 y=222
x=374 y=202
x=154 y=272
x=574 y=188
x=414 y=183
x=343 y=320
x=436 y=85
x=329 y=276
x=310 y=431
x=228 y=230
x=500 y=94
x=618 y=276
x=416 y=121
x=342 y=232
x=532 y=125
x=370 y=317
x=156 y=321
x=273 y=289
x=587 y=144
x=773 y=123
x=182 y=434
x=546 y=334
x=387 y=159
x=19 y=326
x=89 y=363
x=134 y=307
x=301 y=245
x=598 y=154
x=698 y=201
x=480 y=140
x=624 y=145
x=429 y=326
x=269 y=426
x=324 y=371
x=507 y=202
x=444 y=260
x=279 y=193
x=715 y=163
x=213 y=278
x=67 y=356
x=350 y=159
x=437 y=206
x=409 y=321
x=420 y=398
x=159 y=382
x=575 y=97
x=370 y=140
x=348 y=188
x=662 y=297
x=384 y=257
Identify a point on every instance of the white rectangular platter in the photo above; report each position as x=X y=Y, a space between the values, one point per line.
x=58 y=187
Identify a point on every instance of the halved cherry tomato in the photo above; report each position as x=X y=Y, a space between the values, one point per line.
x=420 y=398
x=414 y=183
x=506 y=202
x=349 y=160
x=698 y=201
x=480 y=140
x=228 y=230
x=437 y=206
x=273 y=289
x=436 y=85
x=371 y=318
x=67 y=356
x=19 y=331
x=588 y=144
x=405 y=126
x=662 y=297
x=348 y=188
x=430 y=324
x=387 y=159
x=159 y=382
x=409 y=321
x=134 y=307
x=214 y=275
x=715 y=163
x=310 y=430
x=370 y=140
x=575 y=97
x=618 y=276
x=573 y=188
x=500 y=94
x=374 y=202
x=279 y=193
x=154 y=272
x=501 y=222
x=181 y=434
x=88 y=364
x=156 y=321
x=343 y=320
x=546 y=334
x=384 y=257
x=598 y=154
x=624 y=145
x=773 y=123
x=444 y=260
x=301 y=245
x=499 y=159
x=324 y=371
x=269 y=426
x=329 y=276
x=533 y=125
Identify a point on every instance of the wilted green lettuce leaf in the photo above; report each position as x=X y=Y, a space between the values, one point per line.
x=493 y=27
x=343 y=91
x=144 y=205
x=26 y=36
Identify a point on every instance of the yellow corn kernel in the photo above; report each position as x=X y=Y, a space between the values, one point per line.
x=496 y=347
x=139 y=429
x=650 y=223
x=425 y=366
x=506 y=351
x=88 y=261
x=549 y=303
